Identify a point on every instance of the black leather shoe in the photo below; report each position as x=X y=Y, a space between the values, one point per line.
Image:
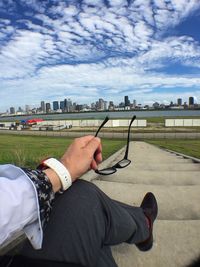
x=150 y=208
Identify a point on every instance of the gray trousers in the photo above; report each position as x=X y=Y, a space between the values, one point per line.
x=84 y=223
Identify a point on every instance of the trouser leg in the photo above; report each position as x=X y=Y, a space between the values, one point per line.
x=83 y=221
x=105 y=258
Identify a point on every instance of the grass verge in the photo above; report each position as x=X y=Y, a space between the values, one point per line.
x=27 y=151
x=188 y=147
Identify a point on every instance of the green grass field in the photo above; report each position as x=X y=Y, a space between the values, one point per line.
x=188 y=147
x=27 y=151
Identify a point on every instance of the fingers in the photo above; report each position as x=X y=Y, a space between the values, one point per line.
x=93 y=165
x=94 y=148
x=83 y=141
x=94 y=145
x=98 y=154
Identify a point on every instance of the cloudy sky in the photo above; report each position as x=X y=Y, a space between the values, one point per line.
x=90 y=49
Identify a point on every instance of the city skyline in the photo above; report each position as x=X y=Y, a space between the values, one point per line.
x=66 y=105
x=91 y=49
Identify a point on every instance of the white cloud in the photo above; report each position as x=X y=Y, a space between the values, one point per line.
x=109 y=49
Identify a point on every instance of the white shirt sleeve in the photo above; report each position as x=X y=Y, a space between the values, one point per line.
x=19 y=208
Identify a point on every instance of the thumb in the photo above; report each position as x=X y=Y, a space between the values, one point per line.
x=93 y=145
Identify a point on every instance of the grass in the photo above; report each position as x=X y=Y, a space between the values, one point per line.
x=188 y=147
x=27 y=151
x=162 y=119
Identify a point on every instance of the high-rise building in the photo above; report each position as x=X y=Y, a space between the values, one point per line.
x=55 y=105
x=179 y=101
x=12 y=110
x=62 y=105
x=111 y=105
x=105 y=105
x=126 y=101
x=43 y=109
x=20 y=109
x=27 y=108
x=101 y=104
x=48 y=107
x=67 y=105
x=93 y=106
x=134 y=103
x=191 y=101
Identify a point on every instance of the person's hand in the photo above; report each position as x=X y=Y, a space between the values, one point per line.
x=83 y=154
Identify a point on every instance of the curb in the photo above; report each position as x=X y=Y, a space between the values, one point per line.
x=195 y=160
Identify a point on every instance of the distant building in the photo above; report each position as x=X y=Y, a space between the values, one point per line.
x=62 y=105
x=191 y=101
x=185 y=105
x=27 y=108
x=79 y=107
x=20 y=109
x=43 y=107
x=156 y=105
x=111 y=105
x=134 y=103
x=12 y=110
x=126 y=101
x=101 y=104
x=55 y=105
x=67 y=105
x=121 y=105
x=74 y=106
x=179 y=101
x=48 y=107
x=93 y=106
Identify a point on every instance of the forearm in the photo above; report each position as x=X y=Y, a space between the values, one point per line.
x=54 y=179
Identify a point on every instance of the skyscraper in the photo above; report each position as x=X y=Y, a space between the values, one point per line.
x=48 y=107
x=100 y=104
x=27 y=108
x=191 y=101
x=62 y=105
x=55 y=105
x=126 y=101
x=67 y=105
x=179 y=101
x=43 y=106
x=12 y=110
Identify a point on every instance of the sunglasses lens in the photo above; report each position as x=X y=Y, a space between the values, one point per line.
x=106 y=171
x=122 y=163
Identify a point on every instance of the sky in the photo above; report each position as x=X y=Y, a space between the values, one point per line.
x=90 y=49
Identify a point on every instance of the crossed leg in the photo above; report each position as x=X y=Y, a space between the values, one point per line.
x=84 y=224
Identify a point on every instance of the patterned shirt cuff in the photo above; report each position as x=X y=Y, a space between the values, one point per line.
x=44 y=191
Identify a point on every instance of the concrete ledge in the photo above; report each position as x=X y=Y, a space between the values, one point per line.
x=195 y=160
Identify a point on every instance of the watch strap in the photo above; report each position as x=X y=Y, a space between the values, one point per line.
x=61 y=171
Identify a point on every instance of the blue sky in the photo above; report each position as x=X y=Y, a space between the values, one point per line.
x=90 y=49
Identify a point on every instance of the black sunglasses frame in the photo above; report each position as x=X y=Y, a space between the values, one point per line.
x=123 y=162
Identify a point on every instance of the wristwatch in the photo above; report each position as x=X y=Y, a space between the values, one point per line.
x=60 y=169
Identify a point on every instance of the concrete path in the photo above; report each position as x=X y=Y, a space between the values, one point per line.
x=176 y=183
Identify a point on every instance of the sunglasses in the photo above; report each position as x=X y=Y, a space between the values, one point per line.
x=123 y=162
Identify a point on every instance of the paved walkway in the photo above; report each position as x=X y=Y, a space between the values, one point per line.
x=176 y=183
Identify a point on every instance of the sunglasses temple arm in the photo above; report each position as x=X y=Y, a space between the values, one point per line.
x=104 y=122
x=128 y=138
